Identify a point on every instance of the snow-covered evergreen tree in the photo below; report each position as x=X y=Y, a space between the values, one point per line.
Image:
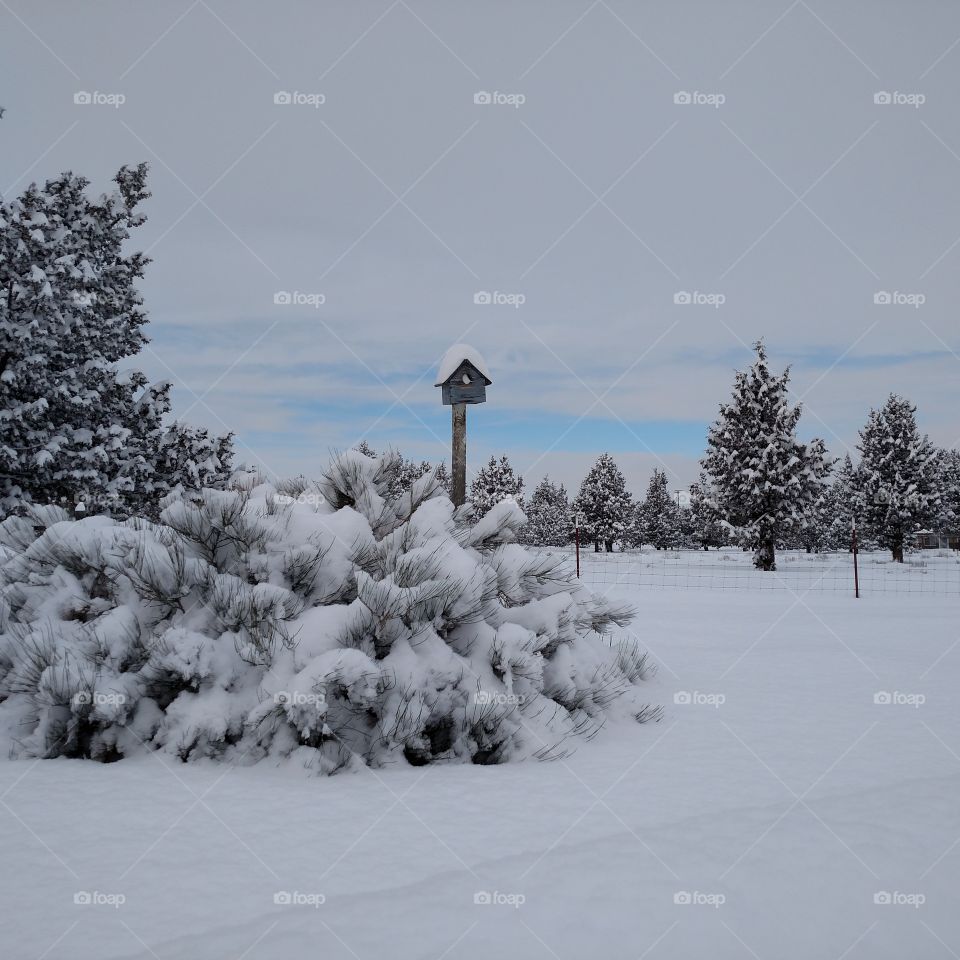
x=898 y=475
x=493 y=483
x=332 y=630
x=764 y=479
x=813 y=534
x=604 y=504
x=686 y=528
x=403 y=472
x=192 y=459
x=70 y=424
x=548 y=516
x=949 y=484
x=659 y=514
x=840 y=507
x=443 y=476
x=708 y=529
x=407 y=472
x=633 y=530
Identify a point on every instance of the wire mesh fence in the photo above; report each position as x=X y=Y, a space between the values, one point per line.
x=926 y=572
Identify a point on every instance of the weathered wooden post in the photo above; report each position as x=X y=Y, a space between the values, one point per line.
x=459 y=453
x=464 y=378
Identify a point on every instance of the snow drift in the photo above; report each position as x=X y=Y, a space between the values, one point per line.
x=327 y=624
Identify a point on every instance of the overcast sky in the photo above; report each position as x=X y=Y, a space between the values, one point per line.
x=583 y=192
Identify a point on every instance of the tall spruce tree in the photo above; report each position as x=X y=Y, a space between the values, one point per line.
x=764 y=479
x=659 y=514
x=493 y=483
x=898 y=475
x=72 y=426
x=548 y=516
x=604 y=503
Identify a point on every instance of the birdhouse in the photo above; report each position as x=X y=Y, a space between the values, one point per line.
x=463 y=376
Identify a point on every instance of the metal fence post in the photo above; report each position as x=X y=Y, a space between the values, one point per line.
x=856 y=571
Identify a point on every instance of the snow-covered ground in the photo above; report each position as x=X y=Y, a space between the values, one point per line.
x=924 y=571
x=775 y=795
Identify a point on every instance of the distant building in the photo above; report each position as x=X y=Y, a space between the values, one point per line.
x=938 y=540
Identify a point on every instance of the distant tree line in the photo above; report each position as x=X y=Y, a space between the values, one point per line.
x=76 y=429
x=760 y=487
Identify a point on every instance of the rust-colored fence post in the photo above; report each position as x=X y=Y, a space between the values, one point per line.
x=856 y=571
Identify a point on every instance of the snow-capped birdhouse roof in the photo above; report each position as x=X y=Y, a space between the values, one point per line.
x=455 y=357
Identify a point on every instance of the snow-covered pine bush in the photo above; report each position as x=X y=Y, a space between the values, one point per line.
x=764 y=480
x=898 y=477
x=605 y=504
x=324 y=624
x=402 y=471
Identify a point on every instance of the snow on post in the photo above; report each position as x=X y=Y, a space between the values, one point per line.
x=458 y=354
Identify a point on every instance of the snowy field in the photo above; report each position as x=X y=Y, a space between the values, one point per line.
x=775 y=796
x=729 y=568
